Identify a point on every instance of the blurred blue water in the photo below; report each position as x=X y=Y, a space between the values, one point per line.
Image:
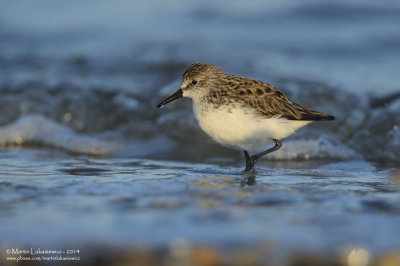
x=101 y=68
x=51 y=200
x=351 y=43
x=83 y=77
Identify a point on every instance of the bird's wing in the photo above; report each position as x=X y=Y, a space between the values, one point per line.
x=271 y=102
x=311 y=115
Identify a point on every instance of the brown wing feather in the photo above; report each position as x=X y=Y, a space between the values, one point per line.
x=271 y=102
x=311 y=115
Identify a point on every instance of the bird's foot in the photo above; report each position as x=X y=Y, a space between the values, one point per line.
x=250 y=165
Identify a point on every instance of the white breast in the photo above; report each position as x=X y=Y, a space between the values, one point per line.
x=243 y=129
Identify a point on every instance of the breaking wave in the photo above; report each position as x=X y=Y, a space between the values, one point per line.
x=110 y=123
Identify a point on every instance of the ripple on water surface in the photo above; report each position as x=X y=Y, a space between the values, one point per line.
x=133 y=201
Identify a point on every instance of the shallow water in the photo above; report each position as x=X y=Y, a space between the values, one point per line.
x=50 y=199
x=86 y=158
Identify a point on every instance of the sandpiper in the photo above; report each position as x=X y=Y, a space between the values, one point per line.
x=241 y=113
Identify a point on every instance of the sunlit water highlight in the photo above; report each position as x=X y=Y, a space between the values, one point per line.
x=87 y=158
x=59 y=200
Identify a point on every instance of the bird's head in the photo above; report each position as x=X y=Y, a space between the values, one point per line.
x=197 y=79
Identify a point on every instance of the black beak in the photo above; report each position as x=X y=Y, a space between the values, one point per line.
x=178 y=94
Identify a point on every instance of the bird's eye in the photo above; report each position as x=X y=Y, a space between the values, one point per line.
x=194 y=82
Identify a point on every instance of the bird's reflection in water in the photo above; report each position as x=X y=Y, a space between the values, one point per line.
x=248 y=179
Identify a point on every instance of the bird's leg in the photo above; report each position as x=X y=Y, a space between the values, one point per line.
x=251 y=161
x=246 y=154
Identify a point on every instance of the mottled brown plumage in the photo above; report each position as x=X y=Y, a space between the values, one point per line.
x=263 y=97
x=241 y=113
